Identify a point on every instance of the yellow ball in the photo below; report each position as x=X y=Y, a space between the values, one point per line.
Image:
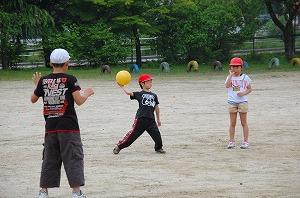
x=123 y=77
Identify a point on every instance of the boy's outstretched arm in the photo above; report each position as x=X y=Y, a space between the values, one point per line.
x=81 y=98
x=125 y=90
x=157 y=112
x=36 y=78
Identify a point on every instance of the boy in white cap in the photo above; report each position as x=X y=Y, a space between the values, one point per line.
x=62 y=142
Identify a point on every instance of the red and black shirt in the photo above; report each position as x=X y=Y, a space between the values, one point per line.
x=59 y=112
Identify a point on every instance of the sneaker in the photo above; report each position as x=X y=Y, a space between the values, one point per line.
x=116 y=150
x=43 y=194
x=162 y=151
x=231 y=145
x=244 y=145
x=78 y=195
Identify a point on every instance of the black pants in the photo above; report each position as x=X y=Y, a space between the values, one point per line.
x=62 y=148
x=139 y=126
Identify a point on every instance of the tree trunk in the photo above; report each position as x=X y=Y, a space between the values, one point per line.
x=47 y=57
x=138 y=51
x=4 y=59
x=287 y=29
x=3 y=45
x=288 y=38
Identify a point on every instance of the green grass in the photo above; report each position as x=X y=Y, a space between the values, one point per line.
x=266 y=43
x=258 y=64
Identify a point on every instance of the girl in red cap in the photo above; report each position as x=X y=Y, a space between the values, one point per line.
x=238 y=87
x=144 y=119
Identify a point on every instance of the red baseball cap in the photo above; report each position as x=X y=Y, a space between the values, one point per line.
x=144 y=78
x=236 y=61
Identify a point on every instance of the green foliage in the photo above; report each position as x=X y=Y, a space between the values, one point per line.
x=94 y=43
x=202 y=30
x=19 y=19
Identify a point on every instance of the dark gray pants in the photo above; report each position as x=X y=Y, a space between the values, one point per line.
x=61 y=148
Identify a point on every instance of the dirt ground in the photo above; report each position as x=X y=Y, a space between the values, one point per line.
x=194 y=131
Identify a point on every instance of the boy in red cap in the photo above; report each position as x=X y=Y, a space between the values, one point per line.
x=238 y=87
x=144 y=119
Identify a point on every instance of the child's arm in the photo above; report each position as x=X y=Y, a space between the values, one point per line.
x=36 y=78
x=247 y=91
x=157 y=112
x=125 y=90
x=34 y=98
x=228 y=81
x=81 y=98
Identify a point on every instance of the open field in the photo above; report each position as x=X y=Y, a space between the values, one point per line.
x=194 y=131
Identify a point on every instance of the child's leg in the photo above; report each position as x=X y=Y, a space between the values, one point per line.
x=72 y=156
x=137 y=130
x=244 y=123
x=232 y=125
x=155 y=135
x=51 y=166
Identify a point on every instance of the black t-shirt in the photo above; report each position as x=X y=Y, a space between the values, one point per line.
x=147 y=102
x=59 y=112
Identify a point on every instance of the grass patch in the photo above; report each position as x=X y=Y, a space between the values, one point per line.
x=257 y=64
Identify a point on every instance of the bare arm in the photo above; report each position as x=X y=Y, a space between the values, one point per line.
x=81 y=98
x=247 y=91
x=228 y=81
x=36 y=78
x=126 y=91
x=157 y=112
x=34 y=98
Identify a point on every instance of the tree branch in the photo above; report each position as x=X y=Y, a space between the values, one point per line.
x=273 y=15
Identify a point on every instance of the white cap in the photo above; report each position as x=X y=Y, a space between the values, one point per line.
x=59 y=56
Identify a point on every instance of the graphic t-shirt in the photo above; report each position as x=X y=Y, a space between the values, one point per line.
x=59 y=112
x=238 y=84
x=147 y=102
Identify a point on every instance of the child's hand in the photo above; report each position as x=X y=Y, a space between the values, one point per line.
x=240 y=94
x=36 y=77
x=88 y=92
x=230 y=72
x=158 y=123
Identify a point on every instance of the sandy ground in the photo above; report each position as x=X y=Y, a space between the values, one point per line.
x=194 y=131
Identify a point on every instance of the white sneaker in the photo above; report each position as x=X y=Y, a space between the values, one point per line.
x=43 y=194
x=244 y=145
x=75 y=195
x=231 y=145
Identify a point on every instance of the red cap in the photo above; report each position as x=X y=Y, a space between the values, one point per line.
x=236 y=61
x=144 y=77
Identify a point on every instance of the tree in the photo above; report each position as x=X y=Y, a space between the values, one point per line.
x=81 y=30
x=289 y=9
x=205 y=29
x=129 y=17
x=19 y=19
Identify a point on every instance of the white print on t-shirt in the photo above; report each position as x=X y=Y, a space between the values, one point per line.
x=54 y=93
x=148 y=100
x=238 y=84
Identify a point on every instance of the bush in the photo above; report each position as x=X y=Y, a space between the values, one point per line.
x=92 y=43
